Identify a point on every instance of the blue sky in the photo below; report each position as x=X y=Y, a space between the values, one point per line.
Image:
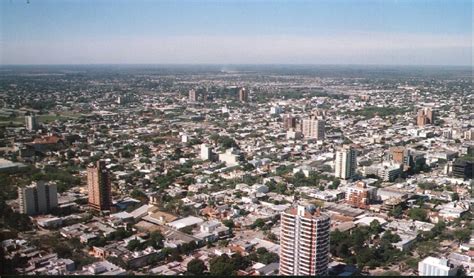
x=398 y=32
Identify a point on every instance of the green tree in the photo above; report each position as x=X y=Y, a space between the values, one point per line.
x=196 y=267
x=418 y=214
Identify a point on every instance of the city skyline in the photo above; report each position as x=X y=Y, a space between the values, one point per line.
x=249 y=32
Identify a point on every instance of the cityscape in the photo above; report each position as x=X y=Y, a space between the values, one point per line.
x=234 y=169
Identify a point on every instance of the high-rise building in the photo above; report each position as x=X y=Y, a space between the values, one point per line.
x=206 y=152
x=304 y=241
x=243 y=95
x=463 y=169
x=31 y=122
x=37 y=198
x=346 y=162
x=193 y=96
x=289 y=122
x=425 y=116
x=432 y=266
x=98 y=183
x=313 y=128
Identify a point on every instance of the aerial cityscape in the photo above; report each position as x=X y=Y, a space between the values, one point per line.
x=192 y=163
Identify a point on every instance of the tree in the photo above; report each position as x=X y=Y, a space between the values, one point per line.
x=221 y=266
x=462 y=235
x=134 y=244
x=196 y=267
x=259 y=223
x=396 y=212
x=388 y=236
x=375 y=227
x=229 y=223
x=418 y=214
x=455 y=196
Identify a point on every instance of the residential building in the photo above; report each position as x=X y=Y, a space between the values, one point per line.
x=206 y=152
x=360 y=195
x=193 y=96
x=313 y=128
x=31 y=122
x=243 y=95
x=304 y=241
x=37 y=198
x=289 y=122
x=98 y=183
x=432 y=266
x=424 y=117
x=346 y=163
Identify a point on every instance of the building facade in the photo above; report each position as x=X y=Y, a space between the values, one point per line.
x=31 y=122
x=432 y=266
x=243 y=95
x=424 y=117
x=98 y=183
x=37 y=198
x=346 y=163
x=193 y=96
x=313 y=128
x=304 y=241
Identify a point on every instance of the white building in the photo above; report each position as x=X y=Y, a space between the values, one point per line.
x=206 y=152
x=346 y=163
x=37 y=198
x=432 y=266
x=313 y=129
x=31 y=122
x=231 y=157
x=304 y=241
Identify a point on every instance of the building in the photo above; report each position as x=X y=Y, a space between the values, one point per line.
x=424 y=117
x=231 y=157
x=463 y=169
x=346 y=163
x=193 y=96
x=385 y=171
x=289 y=122
x=360 y=195
x=397 y=154
x=206 y=152
x=98 y=183
x=37 y=198
x=313 y=128
x=243 y=95
x=31 y=122
x=304 y=241
x=432 y=266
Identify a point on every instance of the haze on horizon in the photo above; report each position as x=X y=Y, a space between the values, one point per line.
x=391 y=32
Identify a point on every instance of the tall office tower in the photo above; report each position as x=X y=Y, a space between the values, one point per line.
x=304 y=241
x=243 y=95
x=193 y=96
x=37 y=198
x=425 y=116
x=289 y=122
x=313 y=128
x=31 y=123
x=346 y=162
x=98 y=183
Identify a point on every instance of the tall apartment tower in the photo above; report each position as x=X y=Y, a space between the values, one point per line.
x=346 y=162
x=31 y=122
x=425 y=116
x=313 y=128
x=289 y=122
x=304 y=241
x=193 y=96
x=206 y=152
x=37 y=198
x=243 y=95
x=98 y=183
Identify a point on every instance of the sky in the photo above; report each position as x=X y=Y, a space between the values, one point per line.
x=366 y=32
